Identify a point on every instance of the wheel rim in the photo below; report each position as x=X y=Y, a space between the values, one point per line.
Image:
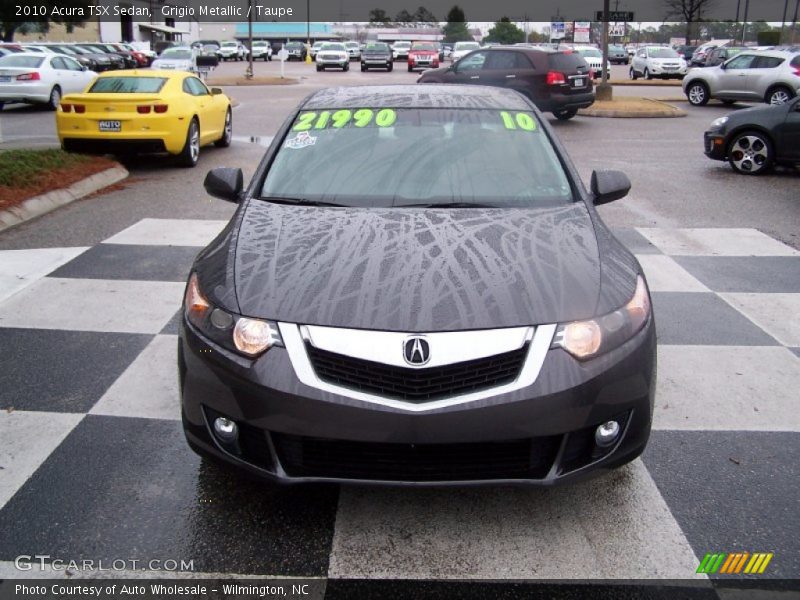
x=779 y=97
x=194 y=143
x=55 y=97
x=749 y=153
x=696 y=94
x=228 y=127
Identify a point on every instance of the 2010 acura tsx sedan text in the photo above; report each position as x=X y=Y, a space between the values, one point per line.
x=374 y=314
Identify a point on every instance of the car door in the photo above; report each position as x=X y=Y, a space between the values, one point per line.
x=79 y=78
x=789 y=135
x=468 y=69
x=60 y=74
x=504 y=69
x=731 y=78
x=763 y=74
x=201 y=99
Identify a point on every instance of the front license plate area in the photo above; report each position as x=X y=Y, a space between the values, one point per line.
x=110 y=126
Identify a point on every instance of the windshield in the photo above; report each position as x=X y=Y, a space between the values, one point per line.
x=127 y=85
x=385 y=157
x=402 y=44
x=423 y=46
x=177 y=54
x=229 y=44
x=338 y=47
x=466 y=46
x=352 y=45
x=377 y=48
x=29 y=62
x=589 y=52
x=662 y=53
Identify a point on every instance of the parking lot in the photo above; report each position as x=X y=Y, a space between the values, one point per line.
x=95 y=464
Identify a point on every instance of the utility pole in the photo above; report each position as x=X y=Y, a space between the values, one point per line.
x=308 y=32
x=604 y=90
x=794 y=20
x=783 y=21
x=249 y=73
x=744 y=20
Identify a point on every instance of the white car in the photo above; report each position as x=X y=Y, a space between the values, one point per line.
x=262 y=49
x=315 y=48
x=657 y=61
x=400 y=50
x=353 y=50
x=231 y=50
x=460 y=49
x=333 y=54
x=180 y=58
x=594 y=58
x=36 y=78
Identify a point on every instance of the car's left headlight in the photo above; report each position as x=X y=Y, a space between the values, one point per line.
x=587 y=339
x=719 y=123
x=243 y=335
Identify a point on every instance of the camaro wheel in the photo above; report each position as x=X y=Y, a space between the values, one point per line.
x=697 y=93
x=191 y=149
x=779 y=95
x=750 y=153
x=227 y=132
x=55 y=98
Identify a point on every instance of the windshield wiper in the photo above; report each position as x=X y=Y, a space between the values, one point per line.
x=298 y=201
x=447 y=205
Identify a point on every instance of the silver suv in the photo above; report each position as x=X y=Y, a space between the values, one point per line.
x=771 y=76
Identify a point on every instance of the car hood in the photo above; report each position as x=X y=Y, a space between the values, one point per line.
x=410 y=269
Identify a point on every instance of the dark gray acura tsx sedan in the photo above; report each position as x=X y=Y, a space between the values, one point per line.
x=416 y=288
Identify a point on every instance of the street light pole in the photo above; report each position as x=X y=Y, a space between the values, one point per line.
x=744 y=20
x=604 y=90
x=249 y=73
x=308 y=32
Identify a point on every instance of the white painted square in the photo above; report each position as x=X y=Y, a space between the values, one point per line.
x=169 y=232
x=93 y=305
x=665 y=275
x=588 y=530
x=20 y=268
x=777 y=314
x=737 y=388
x=149 y=386
x=715 y=242
x=26 y=440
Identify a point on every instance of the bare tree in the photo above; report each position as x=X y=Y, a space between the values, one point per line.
x=690 y=11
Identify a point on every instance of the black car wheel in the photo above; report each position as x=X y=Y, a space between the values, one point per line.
x=363 y=68
x=632 y=74
x=697 y=93
x=55 y=98
x=319 y=68
x=346 y=67
x=779 y=95
x=566 y=114
x=389 y=67
x=750 y=153
x=647 y=74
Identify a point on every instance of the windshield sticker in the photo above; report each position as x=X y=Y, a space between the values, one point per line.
x=338 y=119
x=520 y=120
x=301 y=140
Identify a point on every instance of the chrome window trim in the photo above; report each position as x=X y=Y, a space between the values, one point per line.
x=538 y=348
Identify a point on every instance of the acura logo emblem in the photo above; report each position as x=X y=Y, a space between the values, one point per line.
x=416 y=351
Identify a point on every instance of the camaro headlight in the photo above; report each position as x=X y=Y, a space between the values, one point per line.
x=587 y=339
x=718 y=123
x=250 y=337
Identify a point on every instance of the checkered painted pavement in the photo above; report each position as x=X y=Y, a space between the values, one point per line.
x=93 y=463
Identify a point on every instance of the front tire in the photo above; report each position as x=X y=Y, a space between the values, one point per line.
x=191 y=149
x=363 y=68
x=750 y=153
x=346 y=67
x=566 y=114
x=697 y=93
x=389 y=68
x=227 y=132
x=632 y=74
x=55 y=98
x=647 y=74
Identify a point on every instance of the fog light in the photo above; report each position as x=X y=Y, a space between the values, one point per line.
x=226 y=430
x=606 y=434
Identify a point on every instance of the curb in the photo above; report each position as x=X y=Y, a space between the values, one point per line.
x=256 y=81
x=661 y=110
x=39 y=205
x=650 y=83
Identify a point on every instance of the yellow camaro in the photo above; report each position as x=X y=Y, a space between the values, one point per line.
x=124 y=112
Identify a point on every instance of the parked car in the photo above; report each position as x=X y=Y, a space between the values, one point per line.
x=262 y=49
x=377 y=55
x=556 y=81
x=117 y=62
x=55 y=49
x=755 y=139
x=131 y=60
x=95 y=61
x=32 y=78
x=423 y=55
x=512 y=358
x=617 y=55
x=461 y=49
x=315 y=48
x=771 y=76
x=180 y=58
x=231 y=50
x=686 y=53
x=162 y=45
x=296 y=50
x=122 y=60
x=353 y=50
x=153 y=112
x=400 y=50
x=657 y=61
x=142 y=58
x=720 y=54
x=594 y=58
x=333 y=54
x=701 y=52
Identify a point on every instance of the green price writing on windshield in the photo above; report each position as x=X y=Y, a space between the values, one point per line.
x=340 y=118
x=520 y=120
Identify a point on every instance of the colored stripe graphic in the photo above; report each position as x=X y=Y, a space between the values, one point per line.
x=734 y=563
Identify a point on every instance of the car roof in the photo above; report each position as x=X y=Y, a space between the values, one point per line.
x=35 y=54
x=417 y=96
x=143 y=73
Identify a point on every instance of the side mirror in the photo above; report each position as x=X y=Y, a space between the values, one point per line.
x=216 y=91
x=608 y=186
x=224 y=183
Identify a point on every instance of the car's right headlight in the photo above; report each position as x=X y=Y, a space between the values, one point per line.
x=244 y=335
x=590 y=338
